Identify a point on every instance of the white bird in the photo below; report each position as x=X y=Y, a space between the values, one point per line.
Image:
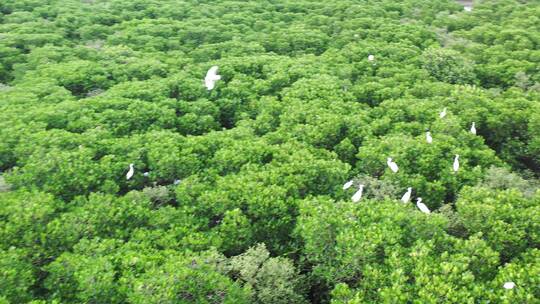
x=467 y=8
x=176 y=181
x=358 y=195
x=371 y=58
x=509 y=285
x=429 y=139
x=130 y=172
x=443 y=113
x=347 y=185
x=211 y=77
x=456 y=163
x=407 y=196
x=473 y=128
x=422 y=206
x=146 y=174
x=393 y=166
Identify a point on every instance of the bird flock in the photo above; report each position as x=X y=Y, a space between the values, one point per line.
x=395 y=168
x=210 y=81
x=407 y=195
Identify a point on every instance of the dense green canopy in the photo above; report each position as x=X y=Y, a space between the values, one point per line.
x=259 y=215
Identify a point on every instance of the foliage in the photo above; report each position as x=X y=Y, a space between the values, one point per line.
x=373 y=262
x=3 y=185
x=507 y=220
x=448 y=66
x=17 y=276
x=237 y=193
x=272 y=280
x=502 y=179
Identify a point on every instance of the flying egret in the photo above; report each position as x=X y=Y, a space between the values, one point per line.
x=371 y=58
x=358 y=195
x=130 y=172
x=509 y=285
x=443 y=113
x=211 y=77
x=407 y=196
x=456 y=163
x=393 y=166
x=347 y=185
x=429 y=139
x=422 y=206
x=473 y=128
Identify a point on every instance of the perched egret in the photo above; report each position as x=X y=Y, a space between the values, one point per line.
x=456 y=163
x=393 y=166
x=347 y=185
x=429 y=139
x=371 y=58
x=407 y=196
x=422 y=206
x=443 y=113
x=358 y=195
x=211 y=77
x=509 y=285
x=473 y=128
x=130 y=172
x=146 y=174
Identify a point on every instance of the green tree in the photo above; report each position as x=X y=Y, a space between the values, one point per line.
x=18 y=276
x=272 y=280
x=448 y=66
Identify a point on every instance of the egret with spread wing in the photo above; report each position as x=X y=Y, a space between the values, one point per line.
x=211 y=77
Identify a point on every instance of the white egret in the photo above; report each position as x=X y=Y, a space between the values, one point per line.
x=211 y=77
x=429 y=139
x=146 y=174
x=422 y=206
x=130 y=172
x=456 y=163
x=473 y=128
x=467 y=8
x=358 y=195
x=393 y=166
x=177 y=181
x=371 y=57
x=347 y=185
x=509 y=285
x=443 y=113
x=407 y=196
